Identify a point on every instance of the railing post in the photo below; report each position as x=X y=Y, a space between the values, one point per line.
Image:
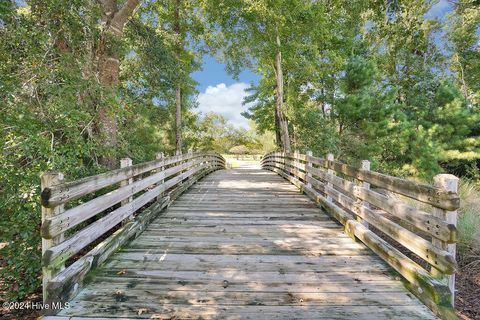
x=160 y=156
x=308 y=164
x=330 y=157
x=124 y=163
x=447 y=182
x=190 y=153
x=48 y=179
x=294 y=163
x=365 y=165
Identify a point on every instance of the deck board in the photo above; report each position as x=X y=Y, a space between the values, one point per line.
x=244 y=244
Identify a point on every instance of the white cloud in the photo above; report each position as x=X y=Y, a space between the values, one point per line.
x=225 y=100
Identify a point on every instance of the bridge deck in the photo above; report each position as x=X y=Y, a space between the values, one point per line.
x=246 y=244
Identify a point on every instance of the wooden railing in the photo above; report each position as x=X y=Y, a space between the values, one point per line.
x=411 y=226
x=154 y=184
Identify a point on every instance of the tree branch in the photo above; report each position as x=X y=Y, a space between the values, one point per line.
x=121 y=17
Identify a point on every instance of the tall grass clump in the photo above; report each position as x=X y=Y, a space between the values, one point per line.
x=469 y=221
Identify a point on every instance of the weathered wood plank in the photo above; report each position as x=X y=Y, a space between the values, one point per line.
x=64 y=192
x=136 y=296
x=334 y=285
x=71 y=218
x=239 y=275
x=159 y=311
x=419 y=219
x=61 y=252
x=246 y=263
x=259 y=248
x=422 y=192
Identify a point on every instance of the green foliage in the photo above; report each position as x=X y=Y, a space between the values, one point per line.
x=48 y=108
x=213 y=132
x=241 y=149
x=464 y=39
x=364 y=113
x=371 y=85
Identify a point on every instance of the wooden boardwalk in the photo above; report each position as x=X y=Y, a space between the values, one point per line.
x=245 y=244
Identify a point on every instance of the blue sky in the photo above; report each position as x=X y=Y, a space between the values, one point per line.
x=220 y=93
x=214 y=73
x=440 y=9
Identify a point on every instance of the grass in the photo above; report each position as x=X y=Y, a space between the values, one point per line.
x=468 y=220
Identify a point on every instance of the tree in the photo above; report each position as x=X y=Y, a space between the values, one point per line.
x=462 y=33
x=106 y=66
x=239 y=150
x=178 y=85
x=180 y=23
x=263 y=35
x=51 y=93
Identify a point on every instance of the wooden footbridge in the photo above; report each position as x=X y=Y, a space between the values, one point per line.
x=295 y=237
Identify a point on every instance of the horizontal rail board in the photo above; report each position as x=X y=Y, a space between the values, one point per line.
x=61 y=252
x=72 y=217
x=288 y=169
x=62 y=193
x=421 y=192
x=291 y=163
x=422 y=220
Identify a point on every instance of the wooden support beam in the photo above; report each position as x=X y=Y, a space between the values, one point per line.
x=48 y=180
x=330 y=157
x=365 y=165
x=309 y=174
x=160 y=156
x=124 y=163
x=449 y=183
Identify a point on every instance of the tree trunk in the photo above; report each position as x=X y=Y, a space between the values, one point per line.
x=282 y=121
x=107 y=70
x=178 y=89
x=178 y=119
x=278 y=136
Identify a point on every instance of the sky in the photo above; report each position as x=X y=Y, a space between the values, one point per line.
x=220 y=93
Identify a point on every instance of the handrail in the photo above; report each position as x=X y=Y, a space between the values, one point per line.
x=156 y=183
x=377 y=209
